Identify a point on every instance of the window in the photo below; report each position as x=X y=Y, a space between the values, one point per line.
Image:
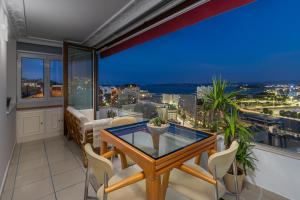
x=40 y=79
x=175 y=68
x=32 y=78
x=56 y=78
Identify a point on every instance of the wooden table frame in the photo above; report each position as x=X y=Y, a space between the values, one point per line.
x=153 y=169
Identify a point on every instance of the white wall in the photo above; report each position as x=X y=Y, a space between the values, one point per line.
x=7 y=122
x=277 y=173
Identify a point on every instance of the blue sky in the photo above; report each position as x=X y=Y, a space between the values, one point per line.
x=33 y=68
x=259 y=42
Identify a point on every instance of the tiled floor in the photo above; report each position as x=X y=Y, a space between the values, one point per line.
x=51 y=169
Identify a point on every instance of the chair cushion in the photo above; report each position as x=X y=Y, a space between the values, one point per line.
x=88 y=113
x=136 y=191
x=192 y=187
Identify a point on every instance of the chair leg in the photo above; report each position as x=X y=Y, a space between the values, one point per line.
x=86 y=186
x=105 y=186
x=235 y=180
x=216 y=186
x=84 y=158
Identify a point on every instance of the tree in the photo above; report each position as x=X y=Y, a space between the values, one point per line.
x=282 y=113
x=218 y=101
x=183 y=116
x=265 y=110
x=148 y=109
x=294 y=115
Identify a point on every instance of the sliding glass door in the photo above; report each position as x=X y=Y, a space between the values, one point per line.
x=79 y=76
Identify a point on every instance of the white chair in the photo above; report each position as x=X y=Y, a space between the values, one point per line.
x=123 y=185
x=198 y=184
x=120 y=121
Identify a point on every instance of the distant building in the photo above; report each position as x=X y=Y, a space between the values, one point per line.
x=144 y=95
x=172 y=115
x=129 y=94
x=188 y=104
x=107 y=95
x=171 y=99
x=202 y=91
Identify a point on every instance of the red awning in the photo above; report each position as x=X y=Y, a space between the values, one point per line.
x=204 y=11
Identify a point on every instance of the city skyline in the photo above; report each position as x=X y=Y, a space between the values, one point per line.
x=232 y=45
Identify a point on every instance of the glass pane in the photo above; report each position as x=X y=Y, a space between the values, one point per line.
x=80 y=75
x=158 y=142
x=56 y=78
x=32 y=78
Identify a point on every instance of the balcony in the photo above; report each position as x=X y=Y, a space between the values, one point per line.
x=148 y=99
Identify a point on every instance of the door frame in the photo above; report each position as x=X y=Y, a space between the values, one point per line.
x=66 y=46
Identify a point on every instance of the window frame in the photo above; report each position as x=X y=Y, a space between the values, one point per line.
x=49 y=59
x=47 y=99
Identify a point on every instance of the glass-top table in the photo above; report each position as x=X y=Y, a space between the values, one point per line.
x=156 y=152
x=157 y=145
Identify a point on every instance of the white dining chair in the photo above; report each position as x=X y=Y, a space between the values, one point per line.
x=101 y=176
x=121 y=121
x=196 y=183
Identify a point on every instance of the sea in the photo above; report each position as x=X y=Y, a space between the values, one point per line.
x=171 y=88
x=192 y=88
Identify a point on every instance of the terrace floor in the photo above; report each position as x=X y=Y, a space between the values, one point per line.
x=51 y=169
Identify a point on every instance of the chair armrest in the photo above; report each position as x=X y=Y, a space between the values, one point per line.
x=197 y=174
x=109 y=154
x=101 y=123
x=125 y=182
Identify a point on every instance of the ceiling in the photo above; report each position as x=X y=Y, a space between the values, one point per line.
x=86 y=22
x=72 y=20
x=68 y=19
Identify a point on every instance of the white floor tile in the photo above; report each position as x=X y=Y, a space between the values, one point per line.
x=32 y=155
x=32 y=145
x=67 y=179
x=48 y=197
x=34 y=191
x=59 y=150
x=172 y=195
x=60 y=156
x=32 y=175
x=10 y=179
x=37 y=146
x=32 y=164
x=75 y=192
x=64 y=166
x=7 y=195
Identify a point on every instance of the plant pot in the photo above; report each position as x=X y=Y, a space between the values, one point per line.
x=156 y=131
x=230 y=184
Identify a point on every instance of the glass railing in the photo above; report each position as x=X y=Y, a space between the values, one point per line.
x=189 y=110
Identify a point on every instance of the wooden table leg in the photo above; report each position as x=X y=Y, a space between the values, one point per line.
x=198 y=159
x=103 y=147
x=153 y=187
x=165 y=184
x=124 y=163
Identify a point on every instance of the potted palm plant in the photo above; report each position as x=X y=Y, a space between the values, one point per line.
x=225 y=111
x=234 y=129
